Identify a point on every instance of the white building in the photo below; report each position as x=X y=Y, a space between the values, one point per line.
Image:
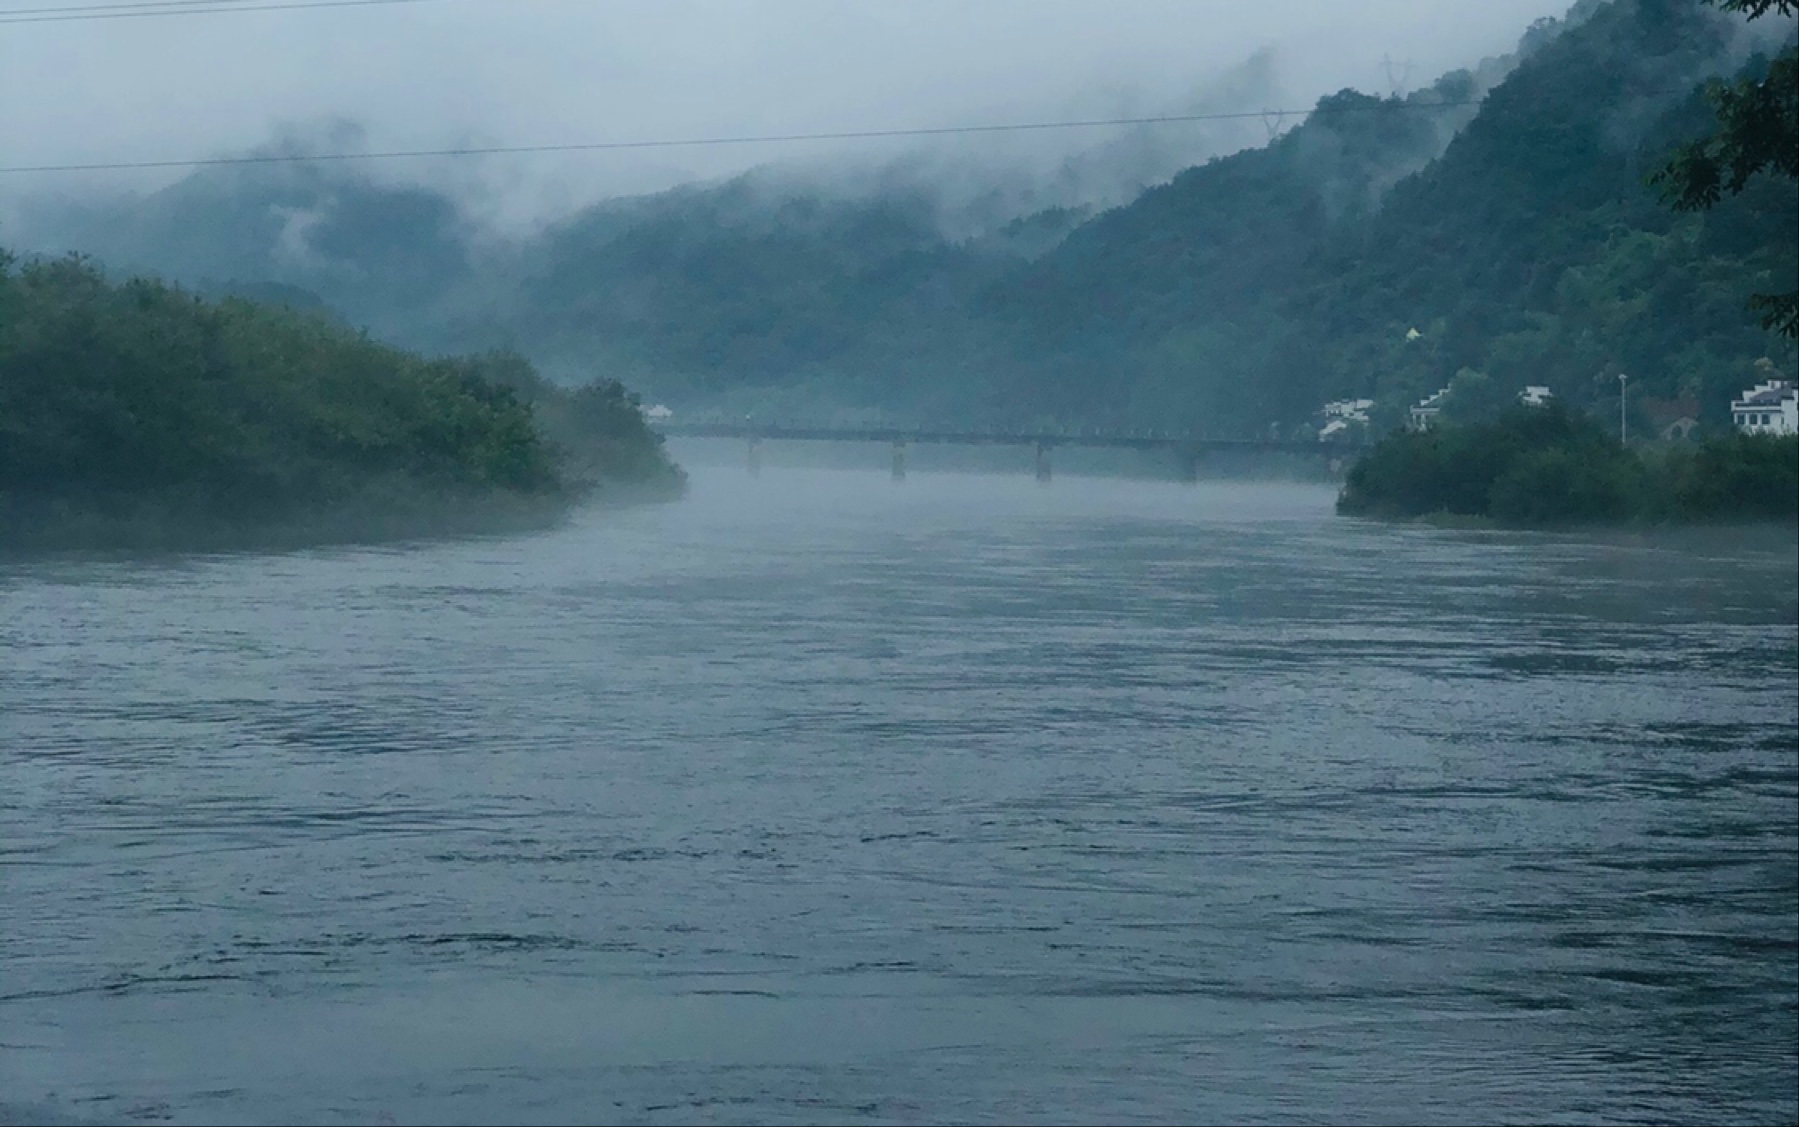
x=1428 y=408
x=658 y=414
x=1353 y=409
x=1342 y=417
x=1767 y=408
x=1535 y=395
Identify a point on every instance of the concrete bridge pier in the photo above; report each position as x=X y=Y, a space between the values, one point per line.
x=1042 y=463
x=899 y=460
x=1190 y=458
x=754 y=462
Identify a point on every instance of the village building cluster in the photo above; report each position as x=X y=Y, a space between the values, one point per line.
x=1770 y=407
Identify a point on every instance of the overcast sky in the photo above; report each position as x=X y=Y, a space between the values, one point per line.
x=448 y=72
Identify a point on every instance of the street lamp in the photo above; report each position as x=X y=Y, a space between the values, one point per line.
x=1623 y=396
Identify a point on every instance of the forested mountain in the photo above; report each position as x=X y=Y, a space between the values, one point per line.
x=1534 y=252
x=1531 y=251
x=1495 y=225
x=314 y=236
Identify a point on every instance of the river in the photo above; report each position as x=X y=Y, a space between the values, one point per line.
x=817 y=798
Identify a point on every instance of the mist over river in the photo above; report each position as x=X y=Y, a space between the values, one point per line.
x=818 y=798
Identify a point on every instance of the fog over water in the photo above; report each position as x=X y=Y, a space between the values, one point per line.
x=819 y=799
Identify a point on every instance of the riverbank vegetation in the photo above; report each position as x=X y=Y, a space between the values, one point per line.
x=138 y=415
x=1538 y=467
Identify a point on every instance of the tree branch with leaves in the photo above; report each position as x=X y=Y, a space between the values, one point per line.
x=1758 y=132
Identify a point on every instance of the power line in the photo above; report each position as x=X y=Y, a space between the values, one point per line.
x=67 y=9
x=705 y=142
x=179 y=8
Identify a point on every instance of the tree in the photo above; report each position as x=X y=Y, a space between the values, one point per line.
x=1758 y=131
x=137 y=414
x=1475 y=397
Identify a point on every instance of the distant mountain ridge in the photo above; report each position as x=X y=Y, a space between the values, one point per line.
x=1495 y=223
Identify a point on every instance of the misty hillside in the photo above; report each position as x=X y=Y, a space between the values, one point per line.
x=1250 y=289
x=308 y=234
x=1517 y=238
x=1534 y=251
x=731 y=288
x=1178 y=303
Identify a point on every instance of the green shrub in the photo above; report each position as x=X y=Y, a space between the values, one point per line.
x=118 y=401
x=1549 y=466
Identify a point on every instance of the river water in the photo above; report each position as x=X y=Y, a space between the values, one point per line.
x=820 y=799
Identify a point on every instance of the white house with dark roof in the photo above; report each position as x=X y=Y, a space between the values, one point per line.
x=1428 y=408
x=1767 y=408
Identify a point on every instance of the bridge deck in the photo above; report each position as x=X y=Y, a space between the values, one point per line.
x=1125 y=440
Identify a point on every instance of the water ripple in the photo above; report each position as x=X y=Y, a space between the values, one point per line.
x=968 y=801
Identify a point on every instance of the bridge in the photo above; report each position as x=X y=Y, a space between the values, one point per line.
x=1190 y=449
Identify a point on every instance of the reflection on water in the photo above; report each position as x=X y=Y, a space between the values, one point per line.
x=816 y=799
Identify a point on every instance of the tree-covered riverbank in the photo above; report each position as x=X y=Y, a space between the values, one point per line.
x=137 y=415
x=1551 y=466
